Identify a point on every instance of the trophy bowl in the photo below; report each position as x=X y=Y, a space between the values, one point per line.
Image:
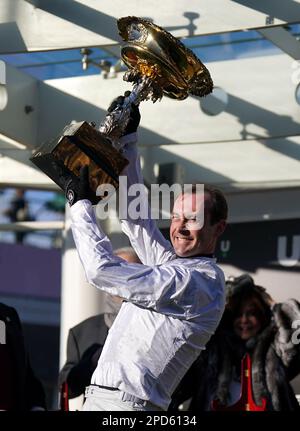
x=159 y=64
x=152 y=51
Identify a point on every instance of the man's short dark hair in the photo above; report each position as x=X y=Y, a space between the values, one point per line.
x=219 y=207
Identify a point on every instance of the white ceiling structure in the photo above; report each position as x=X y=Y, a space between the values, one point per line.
x=252 y=146
x=32 y=25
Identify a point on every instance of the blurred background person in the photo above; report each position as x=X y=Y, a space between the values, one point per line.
x=252 y=323
x=19 y=388
x=86 y=340
x=19 y=212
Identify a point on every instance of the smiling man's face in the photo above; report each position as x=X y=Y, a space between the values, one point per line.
x=190 y=234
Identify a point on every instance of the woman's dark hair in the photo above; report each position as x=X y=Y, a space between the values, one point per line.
x=242 y=289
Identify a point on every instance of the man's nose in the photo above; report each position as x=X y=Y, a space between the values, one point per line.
x=182 y=225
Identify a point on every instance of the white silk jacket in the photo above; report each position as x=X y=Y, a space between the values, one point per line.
x=172 y=305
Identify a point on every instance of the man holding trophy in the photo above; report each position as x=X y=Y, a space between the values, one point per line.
x=174 y=300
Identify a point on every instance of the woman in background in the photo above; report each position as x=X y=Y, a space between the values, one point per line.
x=252 y=323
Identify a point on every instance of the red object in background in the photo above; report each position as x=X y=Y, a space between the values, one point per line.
x=64 y=397
x=246 y=401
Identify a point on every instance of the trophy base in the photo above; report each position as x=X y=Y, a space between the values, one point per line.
x=80 y=144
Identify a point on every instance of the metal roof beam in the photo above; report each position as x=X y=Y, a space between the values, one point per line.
x=38 y=25
x=287 y=10
x=283 y=39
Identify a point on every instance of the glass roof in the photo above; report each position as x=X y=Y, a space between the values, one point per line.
x=217 y=47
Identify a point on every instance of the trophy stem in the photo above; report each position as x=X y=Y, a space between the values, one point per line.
x=116 y=121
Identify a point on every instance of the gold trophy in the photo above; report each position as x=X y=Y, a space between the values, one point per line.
x=159 y=64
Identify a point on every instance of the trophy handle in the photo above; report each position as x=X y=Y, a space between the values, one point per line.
x=116 y=121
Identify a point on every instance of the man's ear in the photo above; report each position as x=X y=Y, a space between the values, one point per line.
x=221 y=225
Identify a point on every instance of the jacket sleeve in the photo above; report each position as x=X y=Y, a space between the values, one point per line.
x=287 y=343
x=177 y=290
x=145 y=237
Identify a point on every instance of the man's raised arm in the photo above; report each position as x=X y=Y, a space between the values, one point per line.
x=145 y=237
